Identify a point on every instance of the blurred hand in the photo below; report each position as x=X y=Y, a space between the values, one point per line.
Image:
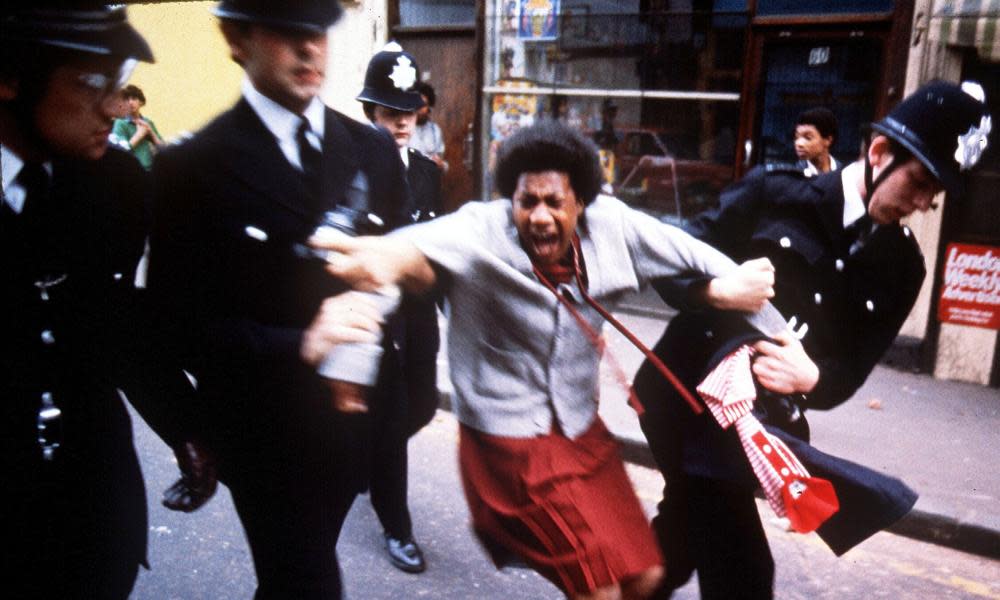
x=369 y=263
x=345 y=318
x=784 y=367
x=348 y=397
x=745 y=289
x=198 y=480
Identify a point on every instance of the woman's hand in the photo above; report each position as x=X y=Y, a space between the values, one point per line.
x=745 y=289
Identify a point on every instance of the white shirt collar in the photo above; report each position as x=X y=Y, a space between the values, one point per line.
x=284 y=124
x=854 y=206
x=404 y=153
x=13 y=192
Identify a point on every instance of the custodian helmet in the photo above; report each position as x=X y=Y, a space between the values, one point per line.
x=81 y=26
x=391 y=80
x=314 y=16
x=944 y=125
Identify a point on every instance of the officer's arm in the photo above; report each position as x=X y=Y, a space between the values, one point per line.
x=726 y=228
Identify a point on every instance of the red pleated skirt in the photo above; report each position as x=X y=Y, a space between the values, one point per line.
x=566 y=507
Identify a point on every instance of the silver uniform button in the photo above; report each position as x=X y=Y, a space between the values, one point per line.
x=818 y=298
x=48 y=338
x=118 y=276
x=839 y=265
x=906 y=231
x=870 y=305
x=785 y=242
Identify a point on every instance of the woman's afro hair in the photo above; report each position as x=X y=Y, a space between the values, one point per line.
x=549 y=145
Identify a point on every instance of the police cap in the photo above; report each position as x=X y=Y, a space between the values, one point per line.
x=81 y=26
x=314 y=16
x=944 y=125
x=391 y=80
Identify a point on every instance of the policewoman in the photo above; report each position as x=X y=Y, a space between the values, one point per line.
x=73 y=219
x=252 y=316
x=391 y=100
x=848 y=272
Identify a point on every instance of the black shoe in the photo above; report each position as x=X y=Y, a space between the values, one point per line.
x=405 y=555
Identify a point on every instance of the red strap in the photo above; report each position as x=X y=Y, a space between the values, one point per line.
x=599 y=344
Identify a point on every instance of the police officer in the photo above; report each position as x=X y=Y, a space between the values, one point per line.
x=391 y=100
x=72 y=330
x=849 y=273
x=255 y=319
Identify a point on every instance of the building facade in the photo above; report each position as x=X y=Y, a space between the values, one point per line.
x=681 y=97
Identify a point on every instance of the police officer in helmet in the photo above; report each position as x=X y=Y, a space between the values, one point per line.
x=849 y=273
x=391 y=101
x=72 y=324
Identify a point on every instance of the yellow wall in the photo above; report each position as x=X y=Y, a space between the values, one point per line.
x=193 y=78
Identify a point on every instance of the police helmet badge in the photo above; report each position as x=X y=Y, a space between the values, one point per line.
x=403 y=74
x=390 y=79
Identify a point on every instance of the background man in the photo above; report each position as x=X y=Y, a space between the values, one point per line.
x=427 y=136
x=391 y=101
x=72 y=329
x=847 y=269
x=815 y=133
x=253 y=318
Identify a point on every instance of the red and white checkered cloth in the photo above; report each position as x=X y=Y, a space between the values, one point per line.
x=729 y=393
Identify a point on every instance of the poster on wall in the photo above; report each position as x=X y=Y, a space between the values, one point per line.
x=970 y=291
x=538 y=19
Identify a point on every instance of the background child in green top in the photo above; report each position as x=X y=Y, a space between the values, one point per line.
x=134 y=131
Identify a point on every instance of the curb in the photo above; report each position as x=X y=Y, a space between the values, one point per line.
x=919 y=525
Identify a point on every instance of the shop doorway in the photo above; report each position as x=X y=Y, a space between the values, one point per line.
x=449 y=62
x=795 y=71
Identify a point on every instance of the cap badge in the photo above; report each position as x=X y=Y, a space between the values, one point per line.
x=403 y=74
x=972 y=144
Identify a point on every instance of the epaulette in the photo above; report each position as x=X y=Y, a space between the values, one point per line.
x=784 y=168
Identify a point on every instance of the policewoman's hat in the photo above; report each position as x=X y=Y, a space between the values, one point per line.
x=315 y=16
x=391 y=80
x=91 y=27
x=944 y=125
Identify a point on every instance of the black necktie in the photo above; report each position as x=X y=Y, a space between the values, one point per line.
x=35 y=181
x=312 y=161
x=858 y=232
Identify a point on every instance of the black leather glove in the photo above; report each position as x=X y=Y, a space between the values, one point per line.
x=198 y=478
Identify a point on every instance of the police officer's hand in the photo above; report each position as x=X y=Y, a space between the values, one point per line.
x=784 y=367
x=198 y=480
x=747 y=288
x=345 y=318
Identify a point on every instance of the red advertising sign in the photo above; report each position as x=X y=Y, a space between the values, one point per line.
x=970 y=293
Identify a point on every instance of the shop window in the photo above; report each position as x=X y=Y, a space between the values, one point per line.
x=431 y=13
x=655 y=83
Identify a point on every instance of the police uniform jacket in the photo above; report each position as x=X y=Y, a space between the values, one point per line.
x=73 y=328
x=421 y=339
x=853 y=304
x=229 y=208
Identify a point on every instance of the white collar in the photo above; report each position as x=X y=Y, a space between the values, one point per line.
x=404 y=153
x=13 y=192
x=854 y=205
x=280 y=121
